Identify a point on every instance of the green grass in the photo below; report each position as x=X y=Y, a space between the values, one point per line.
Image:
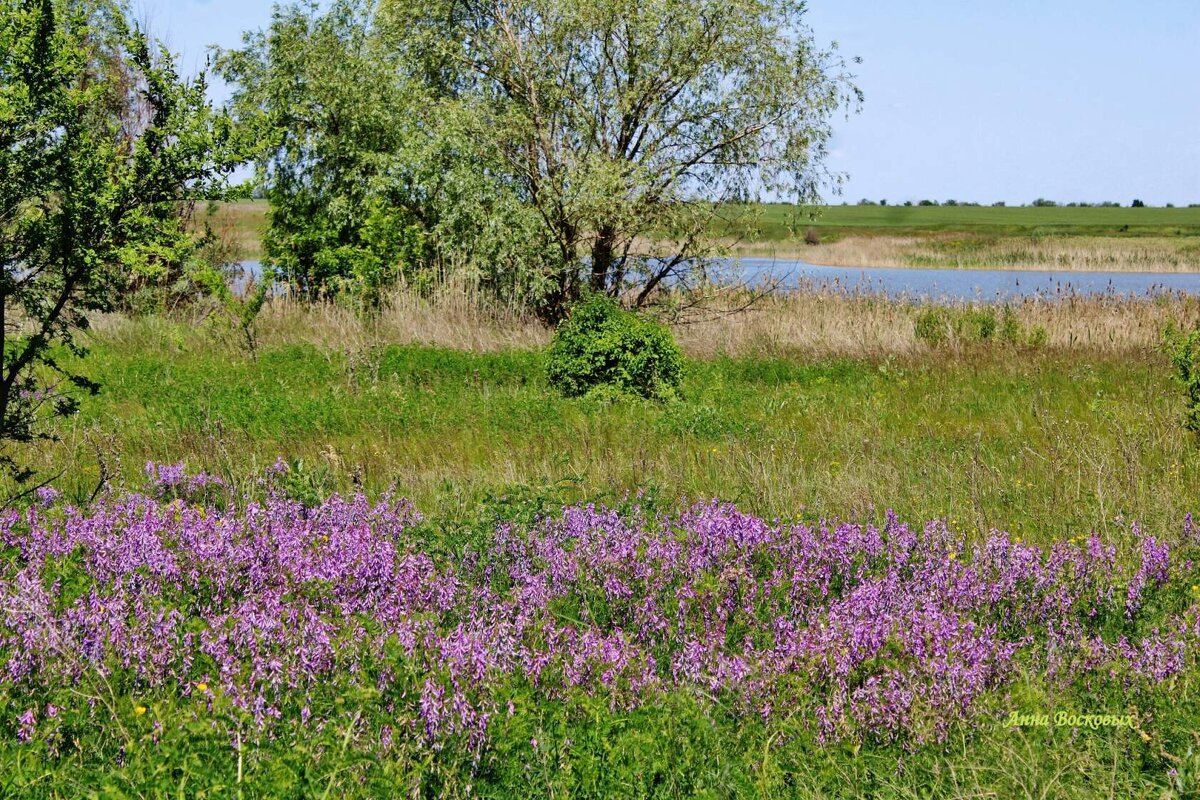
x=776 y=222
x=682 y=748
x=1047 y=443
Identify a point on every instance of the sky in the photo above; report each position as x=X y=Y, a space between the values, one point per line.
x=971 y=100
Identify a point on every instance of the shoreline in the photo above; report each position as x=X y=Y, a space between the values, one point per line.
x=1033 y=248
x=795 y=255
x=1067 y=254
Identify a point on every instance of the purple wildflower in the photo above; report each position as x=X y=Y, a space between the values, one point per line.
x=890 y=632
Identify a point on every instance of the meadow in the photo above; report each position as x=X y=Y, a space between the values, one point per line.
x=425 y=517
x=776 y=219
x=365 y=556
x=974 y=237
x=825 y=403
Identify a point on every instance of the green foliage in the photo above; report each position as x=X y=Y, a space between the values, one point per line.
x=238 y=311
x=330 y=98
x=544 y=78
x=1184 y=352
x=603 y=348
x=940 y=325
x=933 y=325
x=977 y=325
x=1010 y=327
x=1013 y=332
x=485 y=135
x=100 y=143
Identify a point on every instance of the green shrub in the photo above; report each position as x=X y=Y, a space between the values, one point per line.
x=603 y=347
x=977 y=325
x=1184 y=350
x=937 y=325
x=933 y=326
x=1010 y=327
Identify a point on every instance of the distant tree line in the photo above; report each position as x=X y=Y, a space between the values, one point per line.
x=1041 y=202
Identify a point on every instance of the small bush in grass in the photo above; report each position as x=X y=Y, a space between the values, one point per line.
x=602 y=348
x=933 y=326
x=936 y=326
x=1184 y=350
x=1010 y=327
x=977 y=325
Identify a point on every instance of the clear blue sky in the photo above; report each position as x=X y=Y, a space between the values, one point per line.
x=977 y=100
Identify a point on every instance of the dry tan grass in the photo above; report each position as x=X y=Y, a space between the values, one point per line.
x=809 y=324
x=452 y=317
x=832 y=324
x=814 y=323
x=956 y=251
x=240 y=224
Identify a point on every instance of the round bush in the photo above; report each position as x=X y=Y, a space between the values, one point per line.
x=603 y=348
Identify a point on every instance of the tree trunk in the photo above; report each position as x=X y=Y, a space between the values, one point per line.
x=602 y=258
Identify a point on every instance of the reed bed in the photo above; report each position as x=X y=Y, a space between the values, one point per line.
x=817 y=322
x=835 y=323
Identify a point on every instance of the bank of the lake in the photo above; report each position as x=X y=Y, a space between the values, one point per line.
x=946 y=237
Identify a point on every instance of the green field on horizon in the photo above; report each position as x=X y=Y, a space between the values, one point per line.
x=778 y=221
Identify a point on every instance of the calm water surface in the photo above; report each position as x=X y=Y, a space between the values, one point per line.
x=965 y=284
x=943 y=284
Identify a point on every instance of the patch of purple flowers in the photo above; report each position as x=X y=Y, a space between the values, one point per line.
x=859 y=631
x=169 y=481
x=48 y=495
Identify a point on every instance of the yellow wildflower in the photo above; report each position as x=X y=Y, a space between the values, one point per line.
x=202 y=686
x=139 y=710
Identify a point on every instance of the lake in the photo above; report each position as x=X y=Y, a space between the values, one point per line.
x=944 y=284
x=965 y=284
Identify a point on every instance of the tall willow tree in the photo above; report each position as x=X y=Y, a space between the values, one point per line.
x=627 y=124
x=540 y=146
